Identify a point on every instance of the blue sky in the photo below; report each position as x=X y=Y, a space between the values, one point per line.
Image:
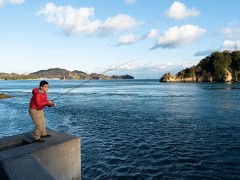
x=94 y=35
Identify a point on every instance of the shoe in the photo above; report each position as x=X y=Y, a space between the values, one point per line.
x=46 y=136
x=38 y=140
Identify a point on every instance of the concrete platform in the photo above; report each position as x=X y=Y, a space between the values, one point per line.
x=59 y=157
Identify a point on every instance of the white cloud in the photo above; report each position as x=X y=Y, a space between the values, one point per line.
x=150 y=66
x=11 y=2
x=152 y=70
x=128 y=39
x=120 y=22
x=232 y=31
x=232 y=35
x=179 y=36
x=73 y=21
x=164 y=66
x=1 y=3
x=82 y=22
x=179 y=11
x=230 y=45
x=16 y=1
x=153 y=33
x=130 y=1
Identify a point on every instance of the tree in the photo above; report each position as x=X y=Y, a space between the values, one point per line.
x=220 y=65
x=236 y=61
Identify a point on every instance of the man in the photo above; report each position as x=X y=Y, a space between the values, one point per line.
x=38 y=101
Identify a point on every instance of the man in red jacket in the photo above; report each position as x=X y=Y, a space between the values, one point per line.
x=38 y=102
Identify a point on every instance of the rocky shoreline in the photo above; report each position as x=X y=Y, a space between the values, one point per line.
x=218 y=67
x=4 y=96
x=175 y=78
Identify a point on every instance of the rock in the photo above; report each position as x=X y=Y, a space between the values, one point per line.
x=4 y=96
x=228 y=76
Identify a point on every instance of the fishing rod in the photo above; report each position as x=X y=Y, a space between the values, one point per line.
x=93 y=78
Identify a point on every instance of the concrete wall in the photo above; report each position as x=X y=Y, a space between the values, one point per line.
x=24 y=167
x=59 y=157
x=62 y=161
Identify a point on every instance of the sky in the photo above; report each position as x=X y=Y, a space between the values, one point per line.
x=95 y=35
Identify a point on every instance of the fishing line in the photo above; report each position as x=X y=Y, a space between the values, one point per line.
x=93 y=78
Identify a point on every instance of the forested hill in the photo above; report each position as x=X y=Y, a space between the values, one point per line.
x=58 y=73
x=219 y=67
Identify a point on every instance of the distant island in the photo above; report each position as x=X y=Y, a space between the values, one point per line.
x=61 y=74
x=218 y=67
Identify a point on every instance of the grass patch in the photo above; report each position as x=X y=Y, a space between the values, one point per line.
x=4 y=96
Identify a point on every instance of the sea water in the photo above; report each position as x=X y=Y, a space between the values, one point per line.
x=139 y=129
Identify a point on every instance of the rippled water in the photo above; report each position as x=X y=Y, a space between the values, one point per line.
x=140 y=129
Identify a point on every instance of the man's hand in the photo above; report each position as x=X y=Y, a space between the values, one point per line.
x=51 y=104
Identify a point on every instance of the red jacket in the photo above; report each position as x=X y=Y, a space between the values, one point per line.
x=39 y=100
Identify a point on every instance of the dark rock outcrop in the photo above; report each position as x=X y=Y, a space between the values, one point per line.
x=4 y=96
